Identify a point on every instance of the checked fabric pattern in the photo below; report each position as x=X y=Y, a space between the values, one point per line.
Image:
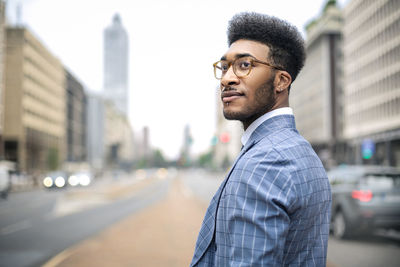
x=273 y=208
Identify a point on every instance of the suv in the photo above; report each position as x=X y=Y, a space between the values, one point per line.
x=364 y=198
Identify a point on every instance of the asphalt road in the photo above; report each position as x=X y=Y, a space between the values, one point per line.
x=33 y=227
x=380 y=249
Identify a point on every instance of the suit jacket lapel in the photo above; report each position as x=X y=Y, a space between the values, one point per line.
x=207 y=230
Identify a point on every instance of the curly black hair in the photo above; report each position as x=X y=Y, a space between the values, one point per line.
x=285 y=42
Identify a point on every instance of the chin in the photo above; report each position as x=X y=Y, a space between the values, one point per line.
x=230 y=114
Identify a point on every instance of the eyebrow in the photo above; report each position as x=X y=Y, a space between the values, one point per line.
x=239 y=56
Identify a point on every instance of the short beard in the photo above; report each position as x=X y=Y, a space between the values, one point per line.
x=264 y=102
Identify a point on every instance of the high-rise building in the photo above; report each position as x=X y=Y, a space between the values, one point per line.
x=142 y=144
x=2 y=67
x=76 y=119
x=185 y=154
x=34 y=126
x=118 y=143
x=372 y=80
x=95 y=131
x=316 y=94
x=116 y=61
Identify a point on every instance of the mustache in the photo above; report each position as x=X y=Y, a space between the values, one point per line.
x=228 y=88
x=230 y=91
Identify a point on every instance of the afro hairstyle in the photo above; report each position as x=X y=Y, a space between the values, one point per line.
x=284 y=41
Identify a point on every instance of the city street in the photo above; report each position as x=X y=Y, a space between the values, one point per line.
x=37 y=225
x=110 y=153
x=137 y=220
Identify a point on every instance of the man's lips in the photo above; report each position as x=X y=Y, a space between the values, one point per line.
x=228 y=96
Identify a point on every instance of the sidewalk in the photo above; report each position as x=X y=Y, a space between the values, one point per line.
x=162 y=235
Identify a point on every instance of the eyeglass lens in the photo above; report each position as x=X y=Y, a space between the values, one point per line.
x=241 y=67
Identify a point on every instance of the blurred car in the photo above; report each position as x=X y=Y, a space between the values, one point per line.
x=162 y=173
x=83 y=178
x=364 y=198
x=5 y=182
x=56 y=179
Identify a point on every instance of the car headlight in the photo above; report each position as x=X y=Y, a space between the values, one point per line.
x=162 y=173
x=60 y=181
x=84 y=180
x=48 y=182
x=73 y=180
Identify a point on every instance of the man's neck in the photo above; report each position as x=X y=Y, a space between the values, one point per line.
x=251 y=128
x=250 y=120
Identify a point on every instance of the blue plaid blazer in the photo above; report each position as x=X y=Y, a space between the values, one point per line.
x=273 y=208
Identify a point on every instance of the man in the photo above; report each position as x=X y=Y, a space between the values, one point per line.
x=273 y=208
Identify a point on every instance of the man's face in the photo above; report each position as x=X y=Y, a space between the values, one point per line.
x=249 y=97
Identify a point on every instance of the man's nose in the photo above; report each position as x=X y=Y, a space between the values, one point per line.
x=229 y=78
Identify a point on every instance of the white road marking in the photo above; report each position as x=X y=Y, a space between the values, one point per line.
x=66 y=206
x=15 y=227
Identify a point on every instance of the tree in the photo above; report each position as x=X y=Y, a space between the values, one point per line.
x=205 y=160
x=52 y=159
x=158 y=159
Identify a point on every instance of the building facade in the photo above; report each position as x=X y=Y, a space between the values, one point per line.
x=372 y=80
x=116 y=59
x=316 y=94
x=2 y=69
x=118 y=138
x=185 y=158
x=76 y=120
x=34 y=125
x=95 y=118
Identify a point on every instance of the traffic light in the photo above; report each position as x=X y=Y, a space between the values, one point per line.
x=224 y=138
x=367 y=148
x=214 y=140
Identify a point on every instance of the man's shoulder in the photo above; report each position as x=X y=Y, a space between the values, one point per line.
x=282 y=141
x=285 y=149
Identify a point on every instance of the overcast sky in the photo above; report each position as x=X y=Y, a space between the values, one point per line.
x=172 y=43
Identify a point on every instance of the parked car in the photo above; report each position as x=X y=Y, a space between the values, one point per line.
x=56 y=179
x=364 y=198
x=5 y=182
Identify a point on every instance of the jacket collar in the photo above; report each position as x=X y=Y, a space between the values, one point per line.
x=253 y=126
x=268 y=127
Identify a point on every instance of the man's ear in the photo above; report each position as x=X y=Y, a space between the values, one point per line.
x=282 y=81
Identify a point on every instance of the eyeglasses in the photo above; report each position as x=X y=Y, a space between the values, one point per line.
x=241 y=66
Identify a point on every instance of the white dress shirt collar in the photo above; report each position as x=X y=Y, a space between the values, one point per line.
x=253 y=126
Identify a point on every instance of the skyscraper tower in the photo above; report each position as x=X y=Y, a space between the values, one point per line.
x=116 y=64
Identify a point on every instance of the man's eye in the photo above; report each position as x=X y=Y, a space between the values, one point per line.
x=224 y=66
x=245 y=64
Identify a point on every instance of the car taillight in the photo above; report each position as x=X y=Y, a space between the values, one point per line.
x=362 y=195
